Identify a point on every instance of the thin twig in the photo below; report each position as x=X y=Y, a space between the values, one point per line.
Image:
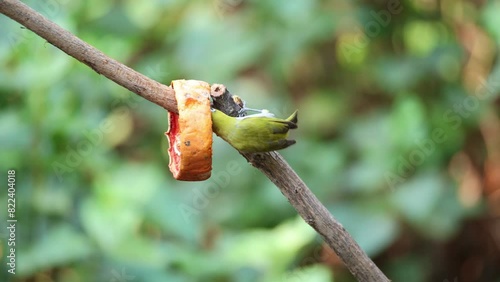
x=271 y=164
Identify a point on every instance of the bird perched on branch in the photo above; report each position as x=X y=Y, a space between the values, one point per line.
x=256 y=133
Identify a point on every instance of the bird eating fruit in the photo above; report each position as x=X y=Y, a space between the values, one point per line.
x=254 y=133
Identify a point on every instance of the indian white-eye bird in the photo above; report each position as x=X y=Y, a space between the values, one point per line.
x=254 y=133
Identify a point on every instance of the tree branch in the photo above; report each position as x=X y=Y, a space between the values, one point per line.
x=138 y=83
x=271 y=164
x=275 y=167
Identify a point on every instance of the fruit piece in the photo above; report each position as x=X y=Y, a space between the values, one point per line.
x=190 y=131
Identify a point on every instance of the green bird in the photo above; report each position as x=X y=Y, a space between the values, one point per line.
x=254 y=133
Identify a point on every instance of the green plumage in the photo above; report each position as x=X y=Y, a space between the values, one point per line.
x=253 y=134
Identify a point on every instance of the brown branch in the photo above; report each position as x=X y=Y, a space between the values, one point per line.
x=271 y=164
x=275 y=167
x=138 y=83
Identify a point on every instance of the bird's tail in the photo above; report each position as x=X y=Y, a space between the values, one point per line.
x=293 y=119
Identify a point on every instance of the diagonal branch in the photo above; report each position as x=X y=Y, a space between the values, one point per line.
x=138 y=83
x=271 y=164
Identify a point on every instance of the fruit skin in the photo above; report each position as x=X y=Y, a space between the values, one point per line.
x=190 y=132
x=254 y=134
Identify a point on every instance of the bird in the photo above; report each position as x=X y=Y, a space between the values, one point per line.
x=254 y=133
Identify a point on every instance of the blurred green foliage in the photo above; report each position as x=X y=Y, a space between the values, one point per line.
x=398 y=135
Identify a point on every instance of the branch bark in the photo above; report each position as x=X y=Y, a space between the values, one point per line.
x=271 y=164
x=136 y=82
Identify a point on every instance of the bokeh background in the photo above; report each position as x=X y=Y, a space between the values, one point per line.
x=399 y=136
